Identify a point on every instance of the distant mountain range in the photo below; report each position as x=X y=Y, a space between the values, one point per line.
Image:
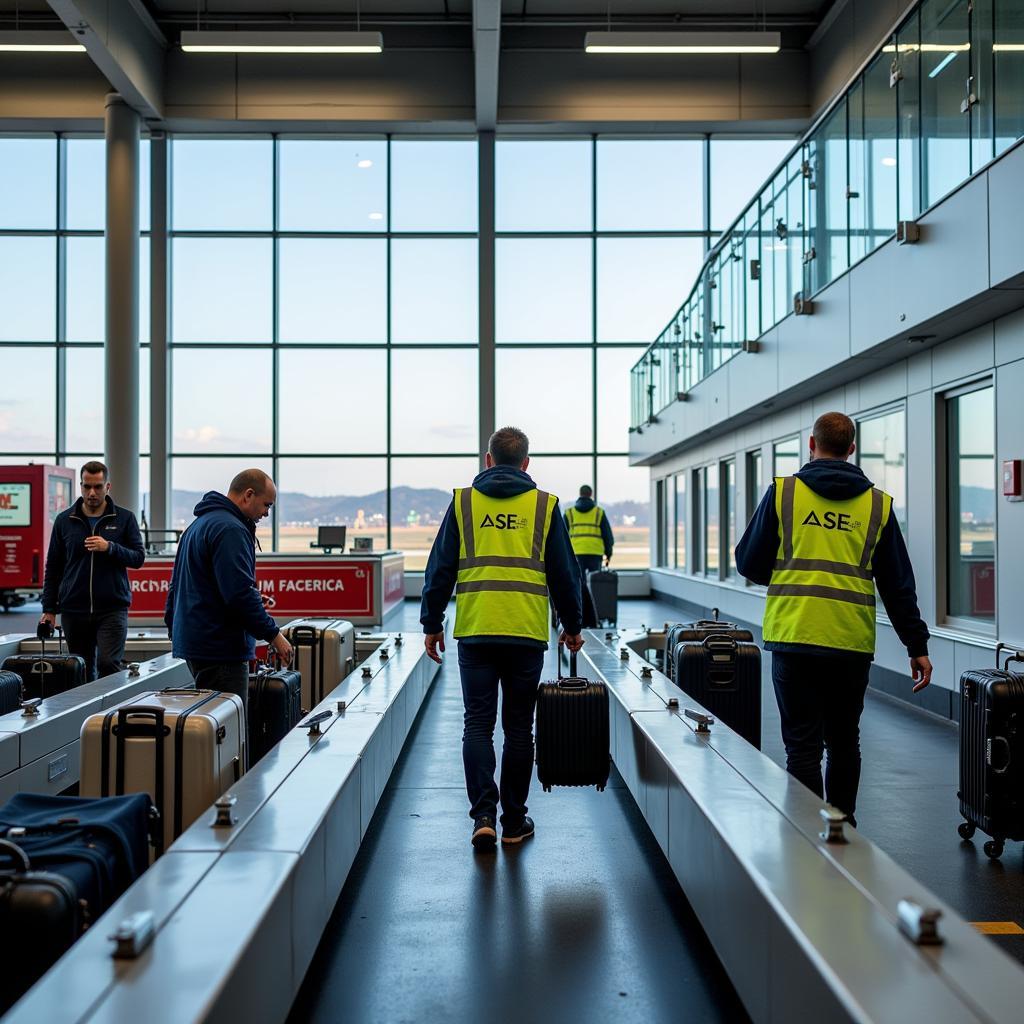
x=412 y=505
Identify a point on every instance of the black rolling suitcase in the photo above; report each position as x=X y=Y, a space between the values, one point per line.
x=992 y=753
x=10 y=692
x=573 y=746
x=40 y=917
x=275 y=707
x=47 y=674
x=63 y=862
x=724 y=675
x=603 y=585
x=696 y=632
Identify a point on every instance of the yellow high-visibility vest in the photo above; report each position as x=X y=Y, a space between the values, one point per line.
x=585 y=531
x=501 y=588
x=822 y=590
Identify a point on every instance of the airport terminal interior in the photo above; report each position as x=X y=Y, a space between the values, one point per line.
x=344 y=243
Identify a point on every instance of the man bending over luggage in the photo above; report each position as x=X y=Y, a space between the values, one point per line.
x=92 y=546
x=501 y=547
x=821 y=541
x=214 y=609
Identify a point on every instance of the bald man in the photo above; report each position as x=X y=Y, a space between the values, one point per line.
x=214 y=611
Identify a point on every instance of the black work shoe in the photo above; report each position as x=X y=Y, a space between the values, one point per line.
x=484 y=834
x=519 y=833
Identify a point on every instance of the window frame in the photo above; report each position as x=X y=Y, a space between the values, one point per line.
x=943 y=533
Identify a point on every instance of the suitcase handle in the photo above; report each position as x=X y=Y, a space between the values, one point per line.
x=572 y=665
x=1012 y=654
x=16 y=852
x=991 y=760
x=303 y=636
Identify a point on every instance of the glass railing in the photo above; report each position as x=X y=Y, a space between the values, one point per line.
x=942 y=97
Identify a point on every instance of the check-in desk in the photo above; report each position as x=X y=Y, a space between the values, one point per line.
x=366 y=588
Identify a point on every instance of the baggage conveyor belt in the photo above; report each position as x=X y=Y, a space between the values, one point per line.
x=583 y=922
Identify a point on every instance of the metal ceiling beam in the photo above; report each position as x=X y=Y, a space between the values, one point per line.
x=126 y=45
x=486 y=49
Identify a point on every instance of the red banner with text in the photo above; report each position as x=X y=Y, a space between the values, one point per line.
x=298 y=589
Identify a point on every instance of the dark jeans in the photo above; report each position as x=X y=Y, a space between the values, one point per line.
x=99 y=638
x=590 y=563
x=228 y=677
x=516 y=668
x=821 y=699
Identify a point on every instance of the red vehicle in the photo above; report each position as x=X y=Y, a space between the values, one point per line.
x=30 y=499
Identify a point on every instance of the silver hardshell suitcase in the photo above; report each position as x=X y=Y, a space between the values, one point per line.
x=182 y=747
x=325 y=652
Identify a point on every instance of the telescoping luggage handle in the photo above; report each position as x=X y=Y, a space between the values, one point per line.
x=571 y=681
x=1012 y=654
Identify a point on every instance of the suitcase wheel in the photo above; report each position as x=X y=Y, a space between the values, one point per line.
x=993 y=848
x=966 y=829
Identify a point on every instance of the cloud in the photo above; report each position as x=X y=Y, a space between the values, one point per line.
x=201 y=435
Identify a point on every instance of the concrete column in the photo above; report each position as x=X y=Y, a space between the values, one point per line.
x=122 y=300
x=158 y=513
x=486 y=288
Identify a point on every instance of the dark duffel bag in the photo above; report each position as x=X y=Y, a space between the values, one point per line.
x=724 y=675
x=10 y=692
x=573 y=747
x=697 y=632
x=992 y=752
x=603 y=585
x=40 y=918
x=275 y=707
x=47 y=674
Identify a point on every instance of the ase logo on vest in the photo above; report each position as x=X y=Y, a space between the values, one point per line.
x=505 y=521
x=833 y=521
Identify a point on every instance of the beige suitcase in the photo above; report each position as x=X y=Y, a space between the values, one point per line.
x=325 y=652
x=182 y=747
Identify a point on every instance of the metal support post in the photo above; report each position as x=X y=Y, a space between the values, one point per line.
x=121 y=355
x=486 y=259
x=159 y=512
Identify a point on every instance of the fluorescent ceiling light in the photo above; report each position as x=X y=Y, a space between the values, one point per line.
x=948 y=59
x=1008 y=47
x=39 y=42
x=888 y=161
x=364 y=164
x=282 y=42
x=927 y=48
x=682 y=42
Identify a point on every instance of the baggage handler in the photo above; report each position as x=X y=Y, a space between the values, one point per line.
x=502 y=548
x=821 y=541
x=590 y=532
x=214 y=611
x=92 y=546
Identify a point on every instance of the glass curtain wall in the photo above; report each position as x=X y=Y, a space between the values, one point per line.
x=52 y=274
x=943 y=96
x=324 y=326
x=594 y=236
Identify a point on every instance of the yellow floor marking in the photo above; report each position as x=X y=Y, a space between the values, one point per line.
x=998 y=927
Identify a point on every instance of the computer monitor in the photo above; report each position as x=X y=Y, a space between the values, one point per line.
x=330 y=537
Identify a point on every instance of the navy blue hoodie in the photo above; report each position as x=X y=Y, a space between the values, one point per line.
x=894 y=575
x=585 y=505
x=213 y=608
x=563 y=572
x=83 y=582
